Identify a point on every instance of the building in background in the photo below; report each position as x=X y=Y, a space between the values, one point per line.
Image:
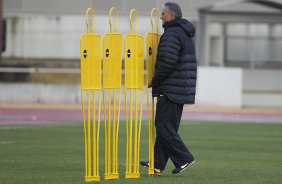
x=248 y=35
x=49 y=29
x=240 y=37
x=35 y=25
x=236 y=33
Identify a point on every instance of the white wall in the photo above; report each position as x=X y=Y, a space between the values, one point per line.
x=18 y=93
x=216 y=87
x=262 y=88
x=38 y=36
x=219 y=87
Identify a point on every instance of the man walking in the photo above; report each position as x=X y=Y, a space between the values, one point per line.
x=174 y=83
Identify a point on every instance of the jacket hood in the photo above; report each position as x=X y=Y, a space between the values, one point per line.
x=186 y=25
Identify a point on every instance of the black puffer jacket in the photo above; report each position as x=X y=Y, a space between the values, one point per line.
x=176 y=65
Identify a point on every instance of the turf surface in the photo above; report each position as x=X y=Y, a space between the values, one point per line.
x=225 y=153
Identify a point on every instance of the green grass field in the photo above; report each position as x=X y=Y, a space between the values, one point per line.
x=225 y=153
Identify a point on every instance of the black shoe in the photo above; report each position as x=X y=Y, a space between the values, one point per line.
x=183 y=167
x=157 y=172
x=144 y=163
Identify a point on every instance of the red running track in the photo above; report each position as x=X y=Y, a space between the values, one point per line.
x=19 y=116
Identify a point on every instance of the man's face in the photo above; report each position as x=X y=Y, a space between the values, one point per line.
x=167 y=15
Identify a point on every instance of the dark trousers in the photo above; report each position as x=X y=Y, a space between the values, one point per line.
x=168 y=142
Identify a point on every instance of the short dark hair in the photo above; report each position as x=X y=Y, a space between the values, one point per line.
x=174 y=7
